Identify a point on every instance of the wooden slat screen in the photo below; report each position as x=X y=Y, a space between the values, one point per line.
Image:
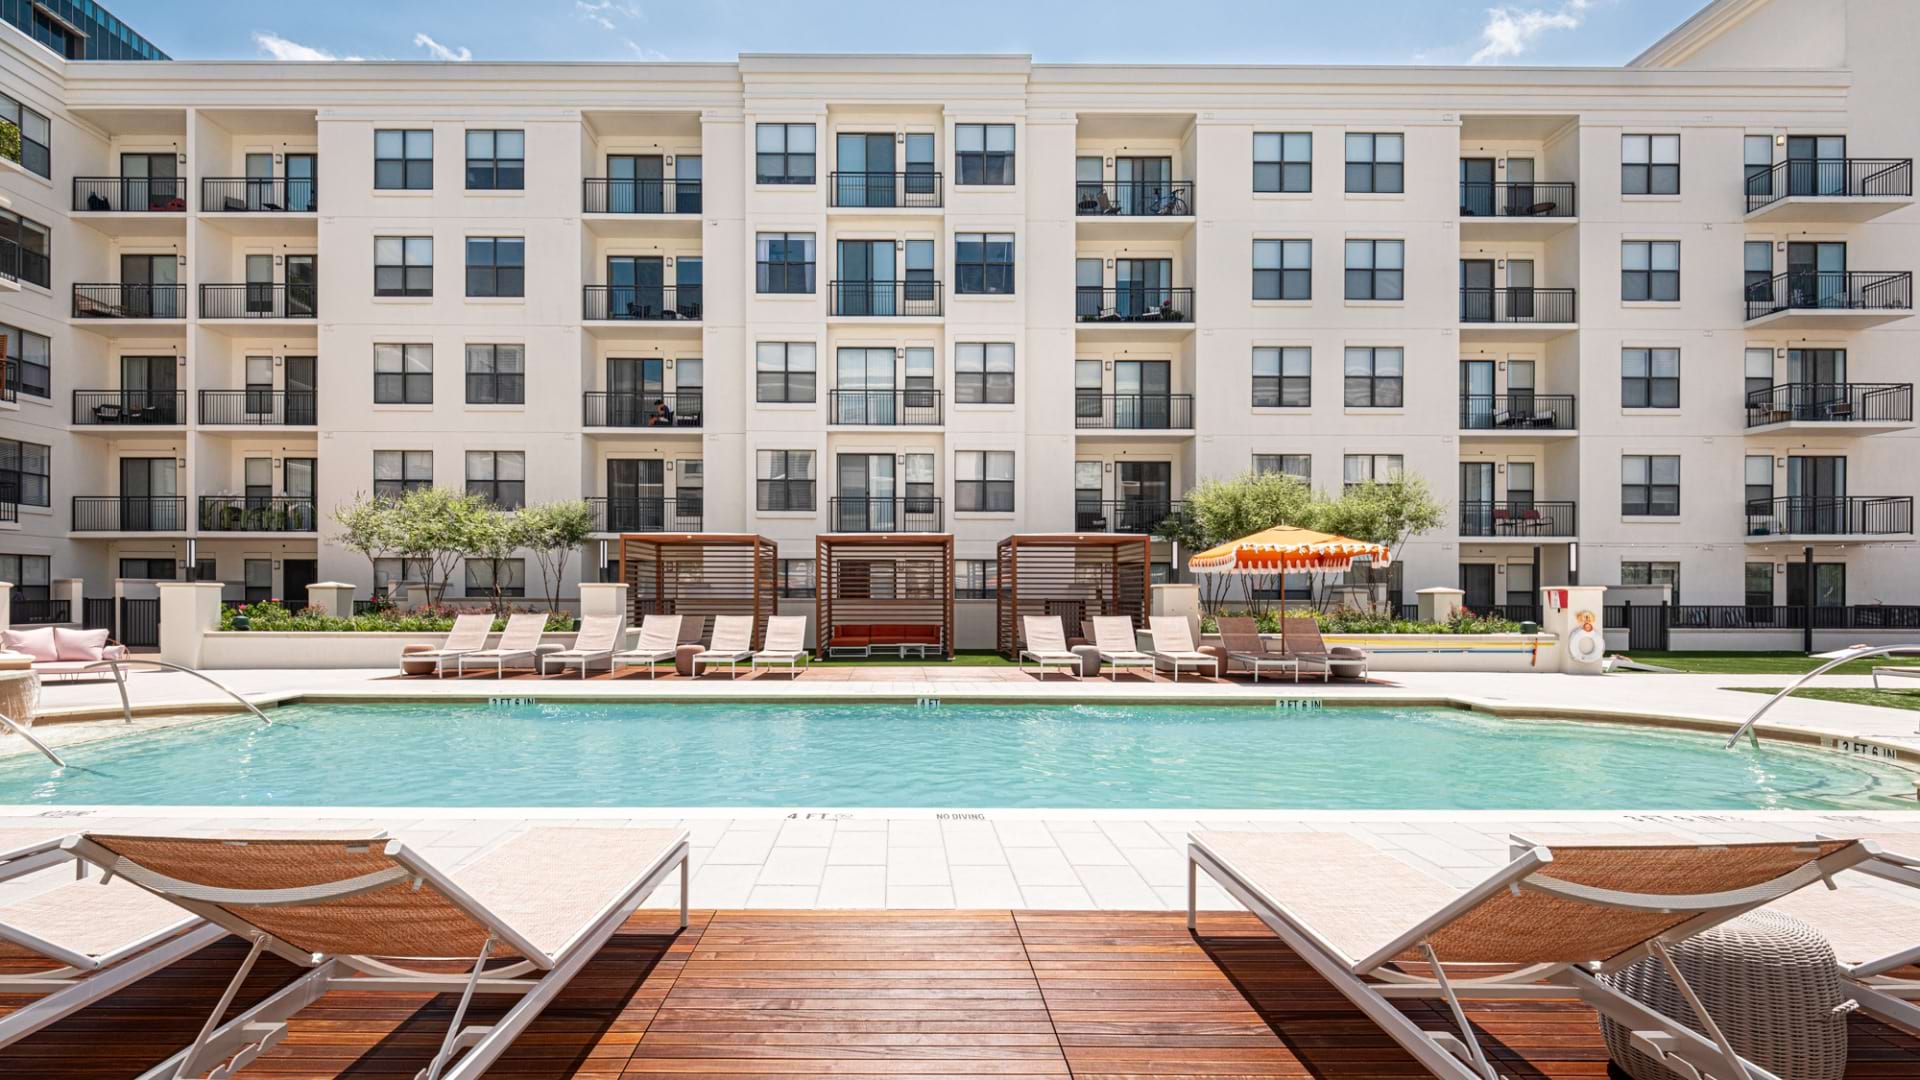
x=873 y=578
x=1072 y=576
x=698 y=576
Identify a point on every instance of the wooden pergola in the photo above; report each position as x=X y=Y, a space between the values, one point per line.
x=883 y=580
x=1075 y=576
x=698 y=575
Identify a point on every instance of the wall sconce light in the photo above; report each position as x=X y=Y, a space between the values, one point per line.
x=901 y=459
x=276 y=463
x=1109 y=466
x=1109 y=163
x=183 y=159
x=669 y=465
x=669 y=159
x=1499 y=568
x=669 y=260
x=276 y=260
x=1500 y=163
x=1499 y=264
x=181 y=259
x=899 y=353
x=1109 y=365
x=276 y=564
x=1780 y=245
x=1109 y=264
x=899 y=245
x=278 y=360
x=183 y=361
x=1779 y=463
x=276 y=159
x=1779 y=568
x=899 y=137
x=180 y=462
x=1500 y=467
x=1780 y=354
x=1500 y=365
x=1779 y=140
x=669 y=365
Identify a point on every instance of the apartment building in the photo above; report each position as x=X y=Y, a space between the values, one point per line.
x=1635 y=325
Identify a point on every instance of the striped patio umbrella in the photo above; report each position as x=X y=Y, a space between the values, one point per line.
x=1289 y=550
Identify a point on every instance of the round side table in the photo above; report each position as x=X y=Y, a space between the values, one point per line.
x=683 y=658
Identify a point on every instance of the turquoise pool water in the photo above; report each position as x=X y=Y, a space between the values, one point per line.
x=878 y=755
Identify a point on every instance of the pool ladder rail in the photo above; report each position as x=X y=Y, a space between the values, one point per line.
x=126 y=706
x=1834 y=660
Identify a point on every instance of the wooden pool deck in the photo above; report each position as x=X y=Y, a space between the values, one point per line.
x=938 y=995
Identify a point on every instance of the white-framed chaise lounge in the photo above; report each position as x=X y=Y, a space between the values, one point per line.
x=519 y=642
x=1874 y=928
x=786 y=643
x=1113 y=639
x=1544 y=926
x=732 y=643
x=1046 y=639
x=1173 y=645
x=358 y=913
x=659 y=640
x=599 y=636
x=469 y=635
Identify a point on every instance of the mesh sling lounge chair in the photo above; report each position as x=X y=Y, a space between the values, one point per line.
x=732 y=643
x=1047 y=645
x=1300 y=642
x=593 y=647
x=786 y=643
x=659 y=638
x=1874 y=928
x=469 y=635
x=1244 y=645
x=1113 y=637
x=1173 y=645
x=1544 y=926
x=358 y=913
x=517 y=643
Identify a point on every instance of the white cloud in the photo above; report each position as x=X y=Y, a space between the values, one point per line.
x=275 y=47
x=1511 y=31
x=641 y=52
x=440 y=52
x=602 y=13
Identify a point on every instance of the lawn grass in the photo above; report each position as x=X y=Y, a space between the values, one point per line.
x=1886 y=699
x=1751 y=663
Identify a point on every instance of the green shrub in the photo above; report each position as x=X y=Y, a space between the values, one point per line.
x=9 y=141
x=1351 y=621
x=273 y=615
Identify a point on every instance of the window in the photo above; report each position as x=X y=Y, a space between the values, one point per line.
x=1650 y=378
x=403 y=160
x=490 y=577
x=785 y=480
x=1758 y=151
x=496 y=266
x=1650 y=165
x=1759 y=582
x=1375 y=378
x=403 y=266
x=784 y=372
x=1759 y=385
x=29 y=362
x=496 y=374
x=1757 y=256
x=1283 y=269
x=25 y=473
x=983 y=263
x=1759 y=483
x=32 y=577
x=795 y=578
x=1376 y=163
x=983 y=481
x=149 y=569
x=403 y=374
x=983 y=373
x=1376 y=269
x=498 y=476
x=1283 y=162
x=396 y=472
x=1371 y=468
x=1653 y=573
x=1282 y=378
x=983 y=153
x=1298 y=466
x=496 y=160
x=1650 y=270
x=35 y=152
x=1650 y=485
x=785 y=262
x=973 y=579
x=783 y=153
x=26 y=249
x=258 y=583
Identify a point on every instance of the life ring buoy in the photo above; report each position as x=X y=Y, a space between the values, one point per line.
x=1586 y=646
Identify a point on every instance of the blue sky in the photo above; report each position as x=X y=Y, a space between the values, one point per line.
x=1600 y=32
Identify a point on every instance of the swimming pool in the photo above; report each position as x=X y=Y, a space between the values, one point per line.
x=896 y=755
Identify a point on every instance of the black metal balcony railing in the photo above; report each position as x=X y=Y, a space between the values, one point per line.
x=292 y=408
x=600 y=195
x=647 y=514
x=130 y=194
x=1518 y=517
x=1133 y=198
x=129 y=513
x=257 y=513
x=1140 y=515
x=1132 y=304
x=1521 y=199
x=885 y=408
x=1517 y=412
x=119 y=300
x=898 y=514
x=258 y=300
x=9 y=511
x=918 y=298
x=258 y=195
x=1831 y=178
x=20 y=264
x=1781 y=616
x=1517 y=304
x=1831 y=403
x=641 y=303
x=1831 y=515
x=641 y=409
x=39 y=611
x=1132 y=412
x=95 y=408
x=1845 y=290
x=885 y=190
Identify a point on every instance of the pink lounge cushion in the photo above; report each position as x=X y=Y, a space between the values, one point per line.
x=80 y=644
x=38 y=643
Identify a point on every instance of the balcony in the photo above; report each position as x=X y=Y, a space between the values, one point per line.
x=258 y=408
x=1858 y=517
x=10 y=514
x=118 y=300
x=884 y=408
x=647 y=514
x=1830 y=189
x=1138 y=516
x=884 y=190
x=129 y=195
x=1132 y=306
x=1832 y=299
x=634 y=409
x=1539 y=201
x=129 y=408
x=866 y=514
x=258 y=300
x=913 y=299
x=1519 y=519
x=600 y=195
x=258 y=195
x=1839 y=408
x=1132 y=412
x=1518 y=414
x=1517 y=311
x=641 y=303
x=257 y=514
x=39 y=612
x=1094 y=200
x=129 y=513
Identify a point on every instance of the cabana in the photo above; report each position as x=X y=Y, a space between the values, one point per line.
x=698 y=576
x=1074 y=576
x=883 y=592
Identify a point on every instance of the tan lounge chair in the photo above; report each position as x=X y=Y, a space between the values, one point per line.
x=1173 y=645
x=786 y=643
x=1874 y=927
x=1047 y=645
x=1912 y=673
x=469 y=635
x=732 y=643
x=1113 y=637
x=1241 y=637
x=359 y=915
x=599 y=636
x=1300 y=642
x=517 y=644
x=659 y=640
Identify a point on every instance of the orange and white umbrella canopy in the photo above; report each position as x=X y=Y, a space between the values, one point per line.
x=1286 y=549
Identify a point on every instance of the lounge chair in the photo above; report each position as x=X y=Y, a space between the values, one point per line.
x=599 y=636
x=786 y=643
x=1545 y=925
x=1300 y=642
x=1244 y=645
x=1047 y=645
x=1874 y=929
x=517 y=643
x=1894 y=673
x=358 y=914
x=1173 y=645
x=732 y=643
x=659 y=640
x=1113 y=637
x=469 y=635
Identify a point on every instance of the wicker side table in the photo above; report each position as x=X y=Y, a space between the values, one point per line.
x=1771 y=984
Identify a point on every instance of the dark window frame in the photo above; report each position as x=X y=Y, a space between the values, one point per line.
x=788 y=156
x=494 y=278
x=1644 y=178
x=1639 y=499
x=1377 y=391
x=19 y=367
x=502 y=494
x=489 y=385
x=1281 y=390
x=973 y=382
x=413 y=387
x=786 y=373
x=406 y=267
x=470 y=589
x=496 y=172
x=1374 y=275
x=1287 y=173
x=797 y=495
x=1282 y=281
x=409 y=480
x=1382 y=177
x=978 y=168
x=985 y=276
x=1649 y=390
x=415 y=172
x=794 y=276
x=983 y=495
x=1645 y=286
x=19 y=477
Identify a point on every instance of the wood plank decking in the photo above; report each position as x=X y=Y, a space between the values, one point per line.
x=939 y=995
